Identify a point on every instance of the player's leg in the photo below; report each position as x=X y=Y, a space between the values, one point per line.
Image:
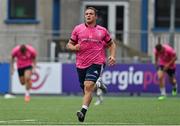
x=28 y=82
x=99 y=94
x=88 y=92
x=174 y=84
x=89 y=87
x=173 y=81
x=101 y=85
x=100 y=89
x=21 y=76
x=22 y=80
x=161 y=74
x=81 y=76
x=92 y=74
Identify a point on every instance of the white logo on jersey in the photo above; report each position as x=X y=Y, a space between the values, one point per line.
x=96 y=72
x=99 y=34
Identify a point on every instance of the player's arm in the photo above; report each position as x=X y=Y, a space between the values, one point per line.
x=72 y=46
x=156 y=60
x=13 y=58
x=112 y=50
x=172 y=61
x=12 y=64
x=34 y=62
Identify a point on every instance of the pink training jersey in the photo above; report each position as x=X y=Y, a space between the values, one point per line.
x=93 y=41
x=166 y=56
x=24 y=60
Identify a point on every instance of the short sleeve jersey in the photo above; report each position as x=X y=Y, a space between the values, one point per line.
x=24 y=60
x=93 y=41
x=166 y=56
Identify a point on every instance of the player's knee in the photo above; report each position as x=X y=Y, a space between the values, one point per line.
x=89 y=88
x=22 y=82
x=173 y=80
x=28 y=80
x=161 y=78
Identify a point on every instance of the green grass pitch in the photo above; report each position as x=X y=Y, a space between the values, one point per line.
x=61 y=110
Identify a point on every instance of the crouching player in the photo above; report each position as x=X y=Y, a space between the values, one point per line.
x=165 y=57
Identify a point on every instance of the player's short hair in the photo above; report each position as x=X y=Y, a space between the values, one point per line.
x=92 y=8
x=23 y=48
x=158 y=47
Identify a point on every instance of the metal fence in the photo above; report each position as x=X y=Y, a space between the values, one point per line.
x=164 y=38
x=52 y=48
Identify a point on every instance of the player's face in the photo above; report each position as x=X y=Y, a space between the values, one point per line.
x=162 y=50
x=23 y=49
x=90 y=16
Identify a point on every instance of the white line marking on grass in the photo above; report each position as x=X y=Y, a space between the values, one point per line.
x=91 y=123
x=10 y=121
x=115 y=123
x=69 y=123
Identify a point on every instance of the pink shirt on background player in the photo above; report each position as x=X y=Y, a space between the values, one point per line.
x=93 y=41
x=166 y=56
x=24 y=60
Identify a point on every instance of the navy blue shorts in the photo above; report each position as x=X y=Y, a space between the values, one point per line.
x=21 y=71
x=90 y=73
x=170 y=72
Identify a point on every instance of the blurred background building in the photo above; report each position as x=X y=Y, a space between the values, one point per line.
x=135 y=25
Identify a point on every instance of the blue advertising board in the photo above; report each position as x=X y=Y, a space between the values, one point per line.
x=120 y=78
x=4 y=77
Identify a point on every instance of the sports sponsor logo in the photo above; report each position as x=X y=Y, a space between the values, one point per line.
x=128 y=77
x=39 y=80
x=96 y=72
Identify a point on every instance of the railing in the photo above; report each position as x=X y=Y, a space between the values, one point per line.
x=164 y=38
x=51 y=45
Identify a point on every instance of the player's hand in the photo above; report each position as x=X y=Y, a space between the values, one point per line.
x=166 y=67
x=77 y=47
x=111 y=60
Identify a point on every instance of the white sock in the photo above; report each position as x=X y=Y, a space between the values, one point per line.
x=163 y=91
x=99 y=92
x=99 y=98
x=85 y=107
x=27 y=93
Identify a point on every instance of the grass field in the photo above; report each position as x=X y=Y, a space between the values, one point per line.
x=60 y=110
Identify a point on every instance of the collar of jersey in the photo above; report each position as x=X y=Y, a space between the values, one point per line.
x=89 y=26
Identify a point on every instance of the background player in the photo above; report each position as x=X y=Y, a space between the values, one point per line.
x=25 y=56
x=165 y=57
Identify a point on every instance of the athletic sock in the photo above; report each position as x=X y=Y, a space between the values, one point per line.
x=27 y=93
x=84 y=109
x=163 y=91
